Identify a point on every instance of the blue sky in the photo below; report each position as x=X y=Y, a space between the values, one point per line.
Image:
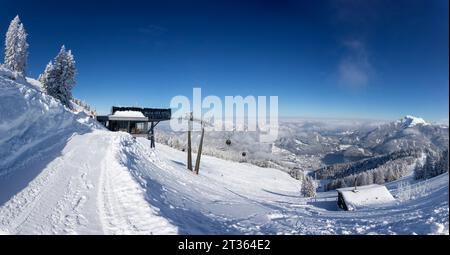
x=341 y=59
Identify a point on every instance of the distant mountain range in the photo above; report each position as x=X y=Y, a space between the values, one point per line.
x=312 y=144
x=354 y=143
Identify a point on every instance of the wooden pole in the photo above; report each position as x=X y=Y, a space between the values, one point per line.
x=152 y=137
x=199 y=152
x=189 y=148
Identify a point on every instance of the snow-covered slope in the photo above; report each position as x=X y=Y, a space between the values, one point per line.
x=244 y=199
x=61 y=173
x=30 y=121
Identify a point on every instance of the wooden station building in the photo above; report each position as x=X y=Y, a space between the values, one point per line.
x=139 y=122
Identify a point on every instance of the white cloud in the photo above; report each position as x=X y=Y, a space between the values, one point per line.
x=351 y=75
x=354 y=68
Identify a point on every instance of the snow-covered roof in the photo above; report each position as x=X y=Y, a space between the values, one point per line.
x=365 y=196
x=128 y=114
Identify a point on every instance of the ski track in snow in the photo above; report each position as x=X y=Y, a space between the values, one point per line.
x=84 y=191
x=124 y=209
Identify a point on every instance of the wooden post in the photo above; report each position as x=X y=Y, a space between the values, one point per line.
x=151 y=133
x=152 y=136
x=189 y=148
x=199 y=152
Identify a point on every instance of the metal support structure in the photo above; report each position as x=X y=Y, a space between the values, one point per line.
x=152 y=134
x=199 y=152
x=189 y=146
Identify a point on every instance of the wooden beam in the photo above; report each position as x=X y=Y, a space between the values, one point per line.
x=189 y=148
x=152 y=136
x=199 y=152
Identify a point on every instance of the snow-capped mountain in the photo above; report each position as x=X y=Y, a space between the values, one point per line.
x=410 y=121
x=355 y=142
x=407 y=133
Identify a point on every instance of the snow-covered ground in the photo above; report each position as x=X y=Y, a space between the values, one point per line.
x=62 y=173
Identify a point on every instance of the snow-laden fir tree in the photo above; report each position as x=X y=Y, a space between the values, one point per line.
x=58 y=78
x=11 y=44
x=308 y=187
x=378 y=177
x=43 y=78
x=22 y=48
x=434 y=166
x=16 y=47
x=443 y=164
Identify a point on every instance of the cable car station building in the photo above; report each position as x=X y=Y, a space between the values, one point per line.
x=139 y=122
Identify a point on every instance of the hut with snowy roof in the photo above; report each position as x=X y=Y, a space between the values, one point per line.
x=139 y=122
x=355 y=198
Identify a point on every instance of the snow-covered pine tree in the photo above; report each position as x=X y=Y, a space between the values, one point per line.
x=10 y=44
x=22 y=48
x=428 y=168
x=443 y=163
x=58 y=78
x=43 y=78
x=67 y=81
x=308 y=187
x=360 y=179
x=436 y=165
x=419 y=171
x=368 y=179
x=378 y=177
x=390 y=174
x=16 y=47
